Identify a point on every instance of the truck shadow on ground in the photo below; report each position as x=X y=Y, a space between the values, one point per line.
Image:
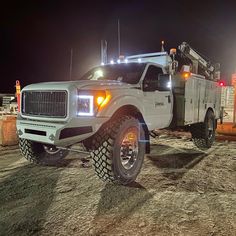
x=75 y=160
x=25 y=197
x=174 y=163
x=117 y=203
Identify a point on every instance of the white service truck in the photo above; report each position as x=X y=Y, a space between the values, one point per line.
x=113 y=108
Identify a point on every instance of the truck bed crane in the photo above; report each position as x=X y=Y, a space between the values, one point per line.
x=208 y=69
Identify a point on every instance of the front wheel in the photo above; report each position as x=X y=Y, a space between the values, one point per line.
x=121 y=151
x=40 y=153
x=203 y=135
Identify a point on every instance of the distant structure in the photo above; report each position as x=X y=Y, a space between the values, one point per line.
x=5 y=101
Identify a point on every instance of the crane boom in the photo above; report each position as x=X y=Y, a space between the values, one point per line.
x=210 y=70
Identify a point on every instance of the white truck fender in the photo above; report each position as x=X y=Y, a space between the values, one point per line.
x=119 y=102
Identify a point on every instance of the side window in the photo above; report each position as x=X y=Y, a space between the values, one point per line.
x=150 y=82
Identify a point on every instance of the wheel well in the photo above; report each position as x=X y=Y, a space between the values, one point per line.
x=210 y=109
x=192 y=126
x=131 y=110
x=128 y=110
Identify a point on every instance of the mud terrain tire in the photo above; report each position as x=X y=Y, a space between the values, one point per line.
x=203 y=135
x=41 y=154
x=117 y=158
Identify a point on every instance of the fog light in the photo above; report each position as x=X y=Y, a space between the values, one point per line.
x=52 y=137
x=20 y=132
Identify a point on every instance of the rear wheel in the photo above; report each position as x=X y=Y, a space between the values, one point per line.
x=40 y=153
x=119 y=155
x=203 y=134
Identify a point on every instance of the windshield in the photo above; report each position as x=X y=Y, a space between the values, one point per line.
x=128 y=73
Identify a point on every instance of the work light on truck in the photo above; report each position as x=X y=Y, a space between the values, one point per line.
x=90 y=102
x=185 y=72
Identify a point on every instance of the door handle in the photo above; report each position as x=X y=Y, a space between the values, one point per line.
x=168 y=96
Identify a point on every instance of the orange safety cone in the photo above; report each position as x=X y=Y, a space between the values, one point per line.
x=18 y=94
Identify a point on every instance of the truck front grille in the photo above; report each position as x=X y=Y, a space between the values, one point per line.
x=44 y=103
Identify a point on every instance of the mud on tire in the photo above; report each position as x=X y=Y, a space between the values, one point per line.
x=203 y=134
x=41 y=154
x=108 y=156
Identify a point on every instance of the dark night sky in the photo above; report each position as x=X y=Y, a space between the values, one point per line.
x=36 y=36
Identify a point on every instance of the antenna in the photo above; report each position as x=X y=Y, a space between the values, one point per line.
x=162 y=46
x=71 y=62
x=118 y=29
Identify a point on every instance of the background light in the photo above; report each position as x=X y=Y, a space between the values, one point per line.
x=112 y=62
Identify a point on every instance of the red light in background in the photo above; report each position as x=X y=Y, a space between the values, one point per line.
x=222 y=83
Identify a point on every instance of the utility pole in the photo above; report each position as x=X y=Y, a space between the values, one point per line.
x=103 y=52
x=118 y=25
x=71 y=62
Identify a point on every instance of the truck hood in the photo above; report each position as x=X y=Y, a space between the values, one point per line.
x=80 y=84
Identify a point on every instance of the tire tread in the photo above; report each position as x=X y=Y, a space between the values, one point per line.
x=103 y=144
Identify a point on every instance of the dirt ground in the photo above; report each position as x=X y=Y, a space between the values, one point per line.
x=180 y=191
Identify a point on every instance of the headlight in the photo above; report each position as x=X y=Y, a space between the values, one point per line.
x=90 y=102
x=85 y=105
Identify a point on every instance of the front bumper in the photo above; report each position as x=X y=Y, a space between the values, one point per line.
x=59 y=134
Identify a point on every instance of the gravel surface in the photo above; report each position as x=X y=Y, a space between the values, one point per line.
x=180 y=191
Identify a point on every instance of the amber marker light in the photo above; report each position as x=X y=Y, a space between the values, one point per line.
x=185 y=72
x=186 y=75
x=131 y=136
x=100 y=100
x=103 y=99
